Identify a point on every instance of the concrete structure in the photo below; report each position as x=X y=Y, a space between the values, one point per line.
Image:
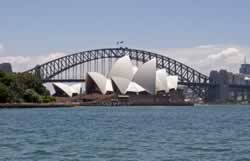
x=125 y=78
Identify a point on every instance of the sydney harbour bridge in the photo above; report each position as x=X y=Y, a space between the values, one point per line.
x=73 y=68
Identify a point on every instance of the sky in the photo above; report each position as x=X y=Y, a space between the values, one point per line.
x=206 y=35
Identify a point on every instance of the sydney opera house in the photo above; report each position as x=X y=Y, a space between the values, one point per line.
x=124 y=78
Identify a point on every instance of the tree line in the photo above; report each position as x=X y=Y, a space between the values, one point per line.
x=22 y=87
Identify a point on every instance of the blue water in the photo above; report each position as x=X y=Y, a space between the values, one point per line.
x=206 y=133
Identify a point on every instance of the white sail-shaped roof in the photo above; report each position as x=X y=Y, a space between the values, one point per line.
x=146 y=76
x=161 y=80
x=49 y=86
x=65 y=88
x=128 y=78
x=77 y=87
x=134 y=87
x=134 y=68
x=121 y=83
x=99 y=79
x=122 y=68
x=172 y=82
x=109 y=87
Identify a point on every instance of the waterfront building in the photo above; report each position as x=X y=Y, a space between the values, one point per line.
x=224 y=91
x=124 y=78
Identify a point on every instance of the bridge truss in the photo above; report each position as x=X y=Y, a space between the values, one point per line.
x=72 y=68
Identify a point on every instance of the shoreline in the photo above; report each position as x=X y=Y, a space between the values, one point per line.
x=37 y=105
x=78 y=104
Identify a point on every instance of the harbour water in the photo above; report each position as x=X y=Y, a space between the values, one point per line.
x=207 y=133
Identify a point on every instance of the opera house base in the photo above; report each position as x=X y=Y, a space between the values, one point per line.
x=148 y=100
x=124 y=100
x=139 y=101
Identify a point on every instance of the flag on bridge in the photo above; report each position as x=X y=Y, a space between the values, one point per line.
x=119 y=42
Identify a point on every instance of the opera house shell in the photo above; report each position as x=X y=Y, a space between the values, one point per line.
x=123 y=78
x=62 y=89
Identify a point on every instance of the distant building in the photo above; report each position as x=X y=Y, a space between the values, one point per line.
x=223 y=79
x=5 y=67
x=245 y=69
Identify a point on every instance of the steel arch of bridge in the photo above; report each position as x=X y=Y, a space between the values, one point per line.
x=195 y=80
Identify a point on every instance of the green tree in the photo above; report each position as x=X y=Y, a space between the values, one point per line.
x=31 y=96
x=19 y=87
x=7 y=78
x=5 y=94
x=31 y=81
x=47 y=99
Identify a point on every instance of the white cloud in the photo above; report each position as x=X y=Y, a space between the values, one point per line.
x=205 y=58
x=1 y=47
x=206 y=46
x=22 y=63
x=228 y=58
x=224 y=53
